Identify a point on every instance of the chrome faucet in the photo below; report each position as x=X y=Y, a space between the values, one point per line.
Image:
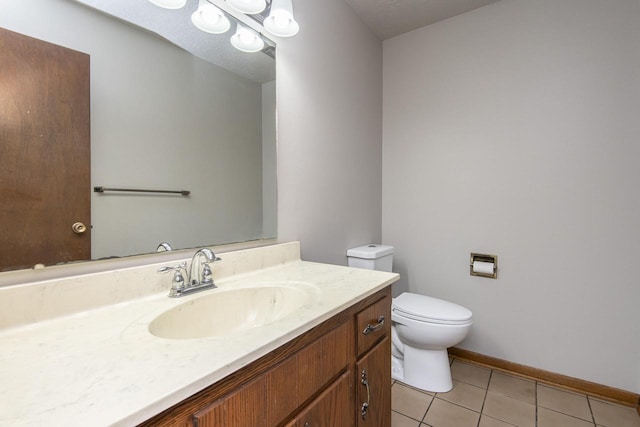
x=199 y=277
x=164 y=247
x=200 y=272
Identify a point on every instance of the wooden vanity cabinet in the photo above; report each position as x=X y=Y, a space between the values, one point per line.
x=313 y=380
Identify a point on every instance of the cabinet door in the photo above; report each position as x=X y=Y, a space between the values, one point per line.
x=243 y=408
x=331 y=408
x=373 y=387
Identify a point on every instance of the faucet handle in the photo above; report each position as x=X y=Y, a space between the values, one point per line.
x=207 y=276
x=177 y=268
x=178 y=283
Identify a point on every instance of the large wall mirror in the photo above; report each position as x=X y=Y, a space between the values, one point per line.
x=162 y=117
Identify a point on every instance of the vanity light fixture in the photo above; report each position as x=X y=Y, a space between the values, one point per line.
x=250 y=7
x=212 y=16
x=246 y=40
x=280 y=21
x=169 y=4
x=210 y=19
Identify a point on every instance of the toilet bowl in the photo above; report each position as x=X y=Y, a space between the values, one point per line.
x=422 y=329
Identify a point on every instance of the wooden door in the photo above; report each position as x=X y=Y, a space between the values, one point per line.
x=375 y=369
x=44 y=152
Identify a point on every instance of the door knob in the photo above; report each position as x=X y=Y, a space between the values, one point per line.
x=79 y=228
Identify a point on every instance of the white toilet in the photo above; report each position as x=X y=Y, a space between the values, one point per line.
x=422 y=328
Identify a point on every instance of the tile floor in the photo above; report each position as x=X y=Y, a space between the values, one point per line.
x=483 y=397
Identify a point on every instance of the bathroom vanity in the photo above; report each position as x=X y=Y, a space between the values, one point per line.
x=336 y=374
x=100 y=349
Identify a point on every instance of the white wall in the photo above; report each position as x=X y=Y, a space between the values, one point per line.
x=160 y=119
x=329 y=132
x=513 y=130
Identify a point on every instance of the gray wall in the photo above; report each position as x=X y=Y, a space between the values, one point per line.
x=513 y=130
x=269 y=161
x=160 y=118
x=329 y=132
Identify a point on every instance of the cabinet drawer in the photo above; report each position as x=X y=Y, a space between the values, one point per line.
x=373 y=323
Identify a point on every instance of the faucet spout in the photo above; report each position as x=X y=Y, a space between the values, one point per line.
x=200 y=271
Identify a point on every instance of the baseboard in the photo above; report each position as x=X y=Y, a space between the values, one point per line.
x=587 y=387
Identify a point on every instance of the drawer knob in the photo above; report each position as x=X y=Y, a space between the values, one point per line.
x=372 y=328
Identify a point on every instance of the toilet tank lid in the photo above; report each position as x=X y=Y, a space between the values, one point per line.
x=372 y=251
x=430 y=308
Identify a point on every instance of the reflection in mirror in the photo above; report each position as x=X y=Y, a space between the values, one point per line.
x=162 y=118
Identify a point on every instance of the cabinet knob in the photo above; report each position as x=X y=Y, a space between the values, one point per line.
x=375 y=327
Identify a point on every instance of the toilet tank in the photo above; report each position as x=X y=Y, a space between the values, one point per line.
x=372 y=257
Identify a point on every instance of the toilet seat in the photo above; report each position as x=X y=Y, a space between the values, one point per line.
x=432 y=310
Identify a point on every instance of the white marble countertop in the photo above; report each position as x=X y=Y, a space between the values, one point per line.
x=103 y=367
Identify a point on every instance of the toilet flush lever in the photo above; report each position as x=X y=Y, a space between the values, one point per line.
x=372 y=328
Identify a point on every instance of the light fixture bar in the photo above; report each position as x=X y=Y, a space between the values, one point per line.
x=250 y=7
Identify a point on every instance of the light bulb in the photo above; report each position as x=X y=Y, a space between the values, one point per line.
x=210 y=19
x=246 y=40
x=280 y=21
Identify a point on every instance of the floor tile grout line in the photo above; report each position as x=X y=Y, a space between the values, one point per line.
x=569 y=415
x=486 y=393
x=535 y=399
x=433 y=397
x=456 y=404
x=406 y=416
x=593 y=417
x=498 y=419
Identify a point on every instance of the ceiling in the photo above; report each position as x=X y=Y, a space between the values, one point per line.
x=389 y=18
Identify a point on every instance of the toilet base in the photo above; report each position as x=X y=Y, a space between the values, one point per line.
x=397 y=369
x=426 y=370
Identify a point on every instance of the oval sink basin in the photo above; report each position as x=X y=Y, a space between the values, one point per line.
x=222 y=312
